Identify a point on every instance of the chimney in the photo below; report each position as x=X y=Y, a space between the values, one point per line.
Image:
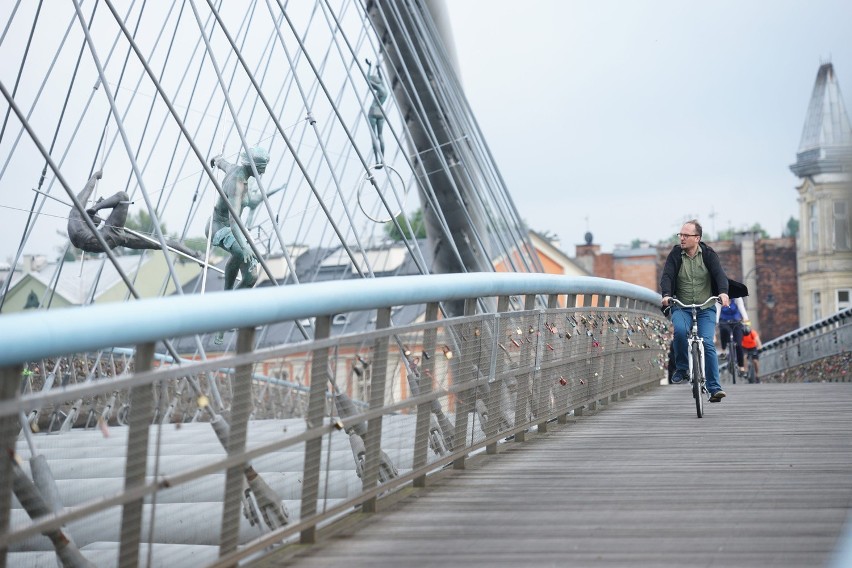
x=33 y=263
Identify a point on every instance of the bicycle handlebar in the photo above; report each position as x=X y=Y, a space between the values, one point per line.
x=701 y=305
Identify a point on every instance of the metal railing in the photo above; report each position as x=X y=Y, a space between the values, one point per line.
x=209 y=462
x=826 y=340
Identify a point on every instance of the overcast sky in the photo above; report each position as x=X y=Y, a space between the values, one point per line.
x=638 y=115
x=626 y=118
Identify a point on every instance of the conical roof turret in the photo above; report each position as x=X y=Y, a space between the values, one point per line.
x=826 y=143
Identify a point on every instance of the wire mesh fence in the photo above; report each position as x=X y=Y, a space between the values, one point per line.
x=819 y=352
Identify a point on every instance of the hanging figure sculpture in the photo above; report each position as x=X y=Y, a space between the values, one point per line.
x=377 y=119
x=226 y=231
x=113 y=230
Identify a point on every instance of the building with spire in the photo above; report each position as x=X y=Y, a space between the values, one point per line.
x=824 y=166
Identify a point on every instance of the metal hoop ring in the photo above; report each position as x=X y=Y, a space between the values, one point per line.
x=367 y=176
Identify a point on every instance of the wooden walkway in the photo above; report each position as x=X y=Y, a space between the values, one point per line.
x=765 y=479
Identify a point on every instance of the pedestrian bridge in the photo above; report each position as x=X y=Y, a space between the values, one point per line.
x=533 y=429
x=765 y=479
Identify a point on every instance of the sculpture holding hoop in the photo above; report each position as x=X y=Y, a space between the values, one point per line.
x=375 y=115
x=369 y=176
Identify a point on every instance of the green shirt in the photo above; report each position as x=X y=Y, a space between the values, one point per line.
x=693 y=280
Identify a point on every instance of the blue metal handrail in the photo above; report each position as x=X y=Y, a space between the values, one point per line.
x=28 y=336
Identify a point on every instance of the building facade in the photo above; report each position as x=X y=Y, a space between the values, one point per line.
x=768 y=267
x=824 y=167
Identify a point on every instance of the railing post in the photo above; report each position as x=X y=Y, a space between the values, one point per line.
x=236 y=444
x=373 y=439
x=522 y=394
x=465 y=399
x=544 y=384
x=313 y=419
x=10 y=379
x=495 y=390
x=561 y=349
x=141 y=411
x=571 y=304
x=596 y=354
x=619 y=356
x=480 y=347
x=424 y=409
x=592 y=406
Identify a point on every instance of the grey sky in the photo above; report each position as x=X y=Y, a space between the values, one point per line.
x=640 y=114
x=636 y=115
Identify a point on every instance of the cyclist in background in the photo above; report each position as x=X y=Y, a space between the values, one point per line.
x=693 y=273
x=731 y=319
x=751 y=343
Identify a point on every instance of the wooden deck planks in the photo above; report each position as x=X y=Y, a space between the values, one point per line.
x=765 y=479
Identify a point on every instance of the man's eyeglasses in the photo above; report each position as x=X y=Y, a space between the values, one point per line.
x=684 y=235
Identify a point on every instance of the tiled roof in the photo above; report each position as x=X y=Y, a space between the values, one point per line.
x=77 y=278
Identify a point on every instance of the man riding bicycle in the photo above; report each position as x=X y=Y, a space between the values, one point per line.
x=693 y=273
x=751 y=343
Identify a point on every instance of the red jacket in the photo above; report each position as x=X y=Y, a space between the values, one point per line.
x=750 y=340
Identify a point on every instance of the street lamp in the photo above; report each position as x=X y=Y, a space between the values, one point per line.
x=753 y=268
x=769 y=300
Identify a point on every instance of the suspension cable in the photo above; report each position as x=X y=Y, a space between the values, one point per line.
x=34 y=216
x=346 y=130
x=450 y=98
x=23 y=63
x=429 y=192
x=418 y=100
x=327 y=160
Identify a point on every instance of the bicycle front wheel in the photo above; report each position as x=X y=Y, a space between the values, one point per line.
x=697 y=380
x=732 y=360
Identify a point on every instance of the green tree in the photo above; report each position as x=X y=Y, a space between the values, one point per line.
x=728 y=234
x=758 y=229
x=792 y=229
x=68 y=254
x=417 y=226
x=196 y=243
x=142 y=223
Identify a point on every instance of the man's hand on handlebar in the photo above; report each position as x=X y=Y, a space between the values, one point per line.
x=671 y=301
x=723 y=299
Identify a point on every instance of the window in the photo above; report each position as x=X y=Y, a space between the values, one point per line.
x=841 y=226
x=813 y=227
x=817 y=305
x=843 y=299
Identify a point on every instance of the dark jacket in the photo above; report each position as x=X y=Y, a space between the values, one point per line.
x=718 y=280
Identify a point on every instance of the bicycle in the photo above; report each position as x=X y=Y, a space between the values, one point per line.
x=696 y=354
x=732 y=349
x=751 y=373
